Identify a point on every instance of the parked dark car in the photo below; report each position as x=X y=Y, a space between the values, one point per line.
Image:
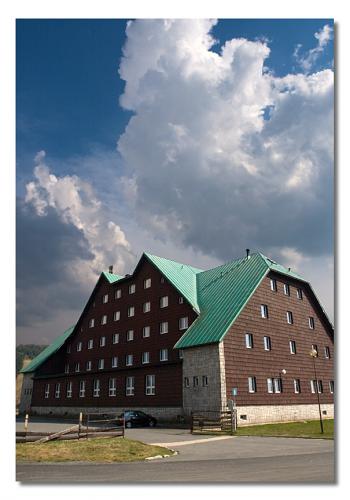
x=137 y=418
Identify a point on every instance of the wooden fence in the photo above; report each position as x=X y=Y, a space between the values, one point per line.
x=213 y=421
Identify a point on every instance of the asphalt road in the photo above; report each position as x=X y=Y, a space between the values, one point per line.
x=232 y=460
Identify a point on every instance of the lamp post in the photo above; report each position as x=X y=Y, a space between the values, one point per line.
x=282 y=372
x=313 y=354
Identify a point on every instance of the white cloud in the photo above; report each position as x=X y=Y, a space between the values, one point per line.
x=76 y=204
x=208 y=169
x=309 y=58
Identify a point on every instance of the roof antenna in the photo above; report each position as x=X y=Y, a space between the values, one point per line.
x=110 y=269
x=248 y=253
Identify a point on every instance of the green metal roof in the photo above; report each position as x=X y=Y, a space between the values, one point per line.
x=47 y=352
x=182 y=277
x=222 y=294
x=112 y=278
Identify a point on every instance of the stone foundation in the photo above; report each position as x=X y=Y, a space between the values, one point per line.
x=249 y=415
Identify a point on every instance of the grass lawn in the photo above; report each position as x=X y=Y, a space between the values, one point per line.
x=306 y=429
x=92 y=450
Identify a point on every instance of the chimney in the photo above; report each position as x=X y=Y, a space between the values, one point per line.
x=110 y=269
x=248 y=253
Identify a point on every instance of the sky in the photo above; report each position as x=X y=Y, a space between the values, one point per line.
x=189 y=139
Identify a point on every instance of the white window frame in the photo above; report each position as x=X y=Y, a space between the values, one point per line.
x=286 y=289
x=66 y=368
x=273 y=284
x=195 y=380
x=101 y=364
x=277 y=385
x=79 y=346
x=289 y=315
x=264 y=311
x=267 y=343
x=146 y=306
x=204 y=380
x=331 y=386
x=129 y=359
x=132 y=288
x=118 y=294
x=164 y=301
x=147 y=283
x=96 y=388
x=115 y=338
x=150 y=385
x=297 y=387
x=164 y=355
x=90 y=343
x=88 y=366
x=130 y=335
x=313 y=386
x=292 y=347
x=311 y=323
x=92 y=323
x=249 y=342
x=47 y=391
x=131 y=311
x=68 y=349
x=130 y=386
x=58 y=390
x=69 y=389
x=163 y=327
x=82 y=388
x=327 y=352
x=181 y=354
x=114 y=362
x=145 y=358
x=319 y=386
x=116 y=316
x=102 y=341
x=183 y=323
x=186 y=382
x=269 y=383
x=112 y=387
x=299 y=294
x=252 y=384
x=181 y=299
x=105 y=298
x=104 y=319
x=77 y=367
x=146 y=332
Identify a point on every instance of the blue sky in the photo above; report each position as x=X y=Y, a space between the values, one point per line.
x=113 y=157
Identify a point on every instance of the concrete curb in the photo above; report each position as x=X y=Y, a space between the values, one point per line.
x=174 y=452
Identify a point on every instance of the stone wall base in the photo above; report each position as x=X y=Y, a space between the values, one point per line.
x=166 y=414
x=249 y=415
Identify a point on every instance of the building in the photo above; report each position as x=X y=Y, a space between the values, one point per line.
x=171 y=339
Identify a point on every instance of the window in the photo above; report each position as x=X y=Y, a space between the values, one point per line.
x=57 y=390
x=129 y=386
x=132 y=288
x=66 y=368
x=269 y=385
x=104 y=319
x=195 y=381
x=286 y=289
x=316 y=384
x=147 y=283
x=130 y=335
x=96 y=388
x=163 y=327
x=145 y=358
x=90 y=344
x=146 y=331
x=299 y=293
x=129 y=359
x=88 y=366
x=267 y=343
x=47 y=390
x=331 y=386
x=114 y=361
x=183 y=323
x=79 y=346
x=204 y=381
x=264 y=311
x=163 y=355
x=118 y=294
x=162 y=280
x=251 y=384
x=314 y=348
x=82 y=389
x=292 y=347
x=69 y=389
x=289 y=317
x=102 y=341
x=327 y=353
x=68 y=348
x=274 y=385
x=249 y=340
x=77 y=367
x=319 y=386
x=112 y=387
x=311 y=323
x=105 y=298
x=181 y=300
x=164 y=301
x=181 y=354
x=186 y=382
x=131 y=311
x=146 y=307
x=297 y=386
x=91 y=323
x=313 y=386
x=273 y=285
x=101 y=364
x=150 y=385
x=115 y=338
x=116 y=316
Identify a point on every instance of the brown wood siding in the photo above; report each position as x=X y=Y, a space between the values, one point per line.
x=241 y=362
x=168 y=373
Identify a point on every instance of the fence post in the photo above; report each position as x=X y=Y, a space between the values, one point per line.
x=232 y=421
x=80 y=421
x=87 y=426
x=26 y=424
x=191 y=422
